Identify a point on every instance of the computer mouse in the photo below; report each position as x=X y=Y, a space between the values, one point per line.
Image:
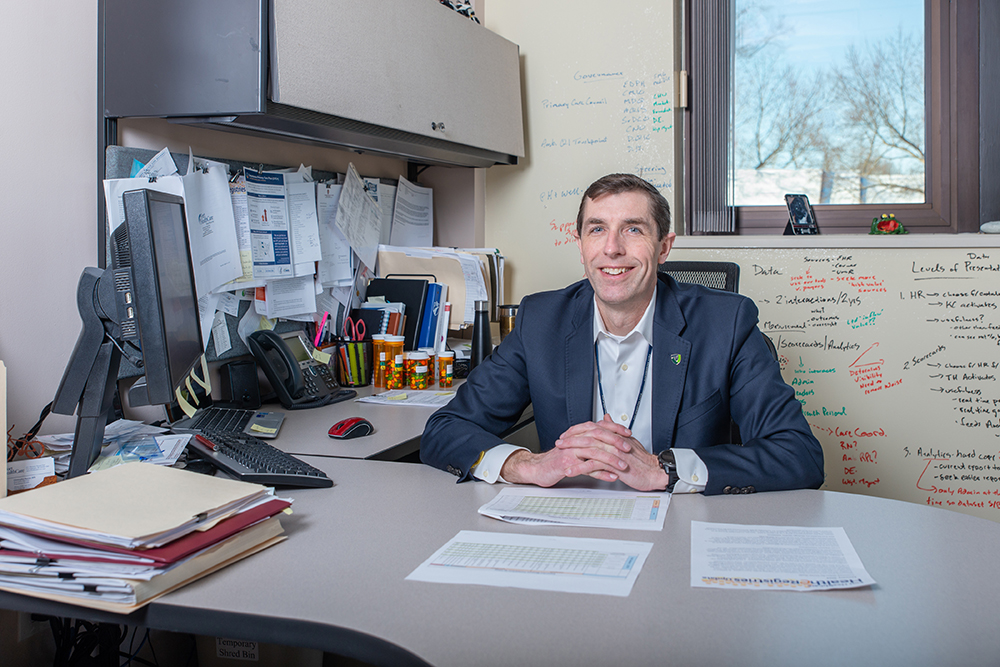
x=352 y=427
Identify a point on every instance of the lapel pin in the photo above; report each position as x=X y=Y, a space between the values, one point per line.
x=676 y=358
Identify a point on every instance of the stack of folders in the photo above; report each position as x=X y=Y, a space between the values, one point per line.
x=117 y=539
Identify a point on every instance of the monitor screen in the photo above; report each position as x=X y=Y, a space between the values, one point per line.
x=151 y=254
x=178 y=305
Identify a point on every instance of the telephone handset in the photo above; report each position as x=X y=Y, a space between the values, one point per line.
x=299 y=380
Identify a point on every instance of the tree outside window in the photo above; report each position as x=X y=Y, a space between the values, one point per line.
x=828 y=100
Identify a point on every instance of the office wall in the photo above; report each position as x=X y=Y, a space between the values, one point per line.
x=48 y=138
x=895 y=357
x=598 y=94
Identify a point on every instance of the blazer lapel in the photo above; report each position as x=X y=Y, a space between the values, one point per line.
x=671 y=354
x=579 y=361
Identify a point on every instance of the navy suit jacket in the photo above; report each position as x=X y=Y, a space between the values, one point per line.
x=710 y=362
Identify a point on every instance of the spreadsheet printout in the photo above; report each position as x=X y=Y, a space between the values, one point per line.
x=595 y=508
x=791 y=558
x=538 y=562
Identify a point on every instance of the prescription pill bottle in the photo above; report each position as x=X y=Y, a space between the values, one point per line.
x=379 y=359
x=445 y=364
x=431 y=366
x=394 y=362
x=419 y=372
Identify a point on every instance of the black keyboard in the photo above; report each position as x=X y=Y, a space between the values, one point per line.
x=251 y=459
x=222 y=419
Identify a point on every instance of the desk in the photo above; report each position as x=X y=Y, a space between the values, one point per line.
x=338 y=584
x=397 y=429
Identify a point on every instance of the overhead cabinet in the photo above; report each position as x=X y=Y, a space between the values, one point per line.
x=411 y=79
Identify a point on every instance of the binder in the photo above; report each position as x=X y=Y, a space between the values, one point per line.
x=428 y=324
x=410 y=291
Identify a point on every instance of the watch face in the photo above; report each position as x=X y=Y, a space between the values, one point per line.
x=667 y=458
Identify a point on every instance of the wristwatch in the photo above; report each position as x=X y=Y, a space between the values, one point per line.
x=669 y=465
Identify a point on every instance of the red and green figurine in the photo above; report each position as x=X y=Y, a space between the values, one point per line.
x=887 y=224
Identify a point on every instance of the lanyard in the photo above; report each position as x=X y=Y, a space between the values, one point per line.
x=600 y=387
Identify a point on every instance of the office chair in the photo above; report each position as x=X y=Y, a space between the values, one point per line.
x=718 y=275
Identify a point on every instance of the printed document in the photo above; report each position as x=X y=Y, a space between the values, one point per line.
x=215 y=250
x=413 y=216
x=241 y=214
x=359 y=218
x=288 y=297
x=161 y=164
x=422 y=397
x=303 y=222
x=335 y=264
x=538 y=562
x=579 y=507
x=735 y=556
x=269 y=229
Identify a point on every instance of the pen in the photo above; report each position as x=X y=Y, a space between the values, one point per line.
x=319 y=329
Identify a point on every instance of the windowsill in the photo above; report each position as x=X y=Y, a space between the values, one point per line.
x=842 y=241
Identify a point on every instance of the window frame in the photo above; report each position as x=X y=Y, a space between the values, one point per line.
x=952 y=132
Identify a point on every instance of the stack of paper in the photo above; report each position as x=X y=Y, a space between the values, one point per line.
x=119 y=538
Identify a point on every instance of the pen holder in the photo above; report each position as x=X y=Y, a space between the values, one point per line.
x=353 y=363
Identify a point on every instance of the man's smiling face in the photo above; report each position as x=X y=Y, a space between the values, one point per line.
x=620 y=251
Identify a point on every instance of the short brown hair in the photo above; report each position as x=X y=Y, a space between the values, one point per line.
x=616 y=184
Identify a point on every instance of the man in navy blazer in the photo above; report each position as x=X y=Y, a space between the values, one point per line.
x=632 y=376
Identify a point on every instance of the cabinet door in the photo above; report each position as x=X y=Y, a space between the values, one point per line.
x=415 y=66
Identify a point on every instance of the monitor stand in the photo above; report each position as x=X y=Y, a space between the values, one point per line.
x=95 y=408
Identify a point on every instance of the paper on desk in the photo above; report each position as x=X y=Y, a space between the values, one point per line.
x=422 y=397
x=728 y=555
x=359 y=218
x=269 y=228
x=131 y=506
x=579 y=507
x=161 y=450
x=412 y=216
x=538 y=562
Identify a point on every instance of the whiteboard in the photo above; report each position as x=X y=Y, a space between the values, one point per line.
x=894 y=355
x=597 y=89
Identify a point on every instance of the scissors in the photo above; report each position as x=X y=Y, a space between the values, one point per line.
x=352 y=330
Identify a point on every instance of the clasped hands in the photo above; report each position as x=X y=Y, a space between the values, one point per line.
x=603 y=450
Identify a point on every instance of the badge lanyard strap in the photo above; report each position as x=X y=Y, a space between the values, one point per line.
x=600 y=386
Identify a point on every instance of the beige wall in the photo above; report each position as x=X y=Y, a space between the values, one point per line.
x=48 y=136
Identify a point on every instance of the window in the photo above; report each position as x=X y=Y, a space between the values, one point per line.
x=889 y=123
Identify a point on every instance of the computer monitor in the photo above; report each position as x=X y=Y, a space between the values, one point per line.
x=144 y=307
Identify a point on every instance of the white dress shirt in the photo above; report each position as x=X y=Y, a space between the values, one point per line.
x=622 y=362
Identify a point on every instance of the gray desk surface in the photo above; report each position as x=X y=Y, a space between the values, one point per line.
x=338 y=584
x=397 y=429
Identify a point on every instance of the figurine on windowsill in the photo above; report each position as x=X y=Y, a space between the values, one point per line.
x=887 y=224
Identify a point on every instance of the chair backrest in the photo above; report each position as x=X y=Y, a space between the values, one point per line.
x=720 y=275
